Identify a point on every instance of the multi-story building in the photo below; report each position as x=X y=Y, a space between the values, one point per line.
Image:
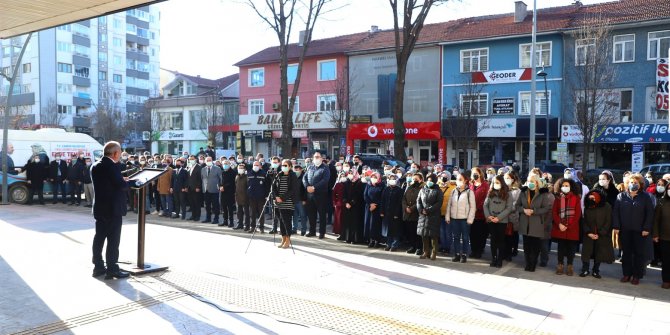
x=194 y=112
x=70 y=71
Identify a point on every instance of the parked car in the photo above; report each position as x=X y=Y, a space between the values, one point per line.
x=657 y=169
x=17 y=188
x=375 y=161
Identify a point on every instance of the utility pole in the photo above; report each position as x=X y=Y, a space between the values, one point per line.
x=533 y=92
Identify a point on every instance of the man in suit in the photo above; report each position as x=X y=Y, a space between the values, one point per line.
x=57 y=175
x=180 y=188
x=228 y=194
x=109 y=207
x=11 y=169
x=212 y=184
x=315 y=181
x=194 y=187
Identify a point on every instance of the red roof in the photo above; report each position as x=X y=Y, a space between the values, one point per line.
x=553 y=19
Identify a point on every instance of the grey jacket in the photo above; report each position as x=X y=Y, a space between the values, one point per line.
x=496 y=206
x=211 y=179
x=539 y=223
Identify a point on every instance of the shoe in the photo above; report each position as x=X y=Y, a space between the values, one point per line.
x=246 y=228
x=527 y=268
x=78 y=204
x=371 y=244
x=570 y=271
x=222 y=224
x=206 y=221
x=411 y=250
x=543 y=264
x=273 y=231
x=87 y=206
x=283 y=240
x=665 y=285
x=635 y=281
x=433 y=255
x=302 y=233
x=418 y=252
x=216 y=222
x=97 y=272
x=237 y=227
x=456 y=258
x=625 y=279
x=393 y=249
x=310 y=235
x=499 y=264
x=288 y=242
x=585 y=273
x=71 y=204
x=183 y=217
x=464 y=259
x=321 y=237
x=559 y=269
x=493 y=263
x=423 y=256
x=387 y=248
x=596 y=274
x=118 y=275
x=515 y=253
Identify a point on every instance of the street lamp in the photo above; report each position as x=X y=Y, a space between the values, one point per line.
x=543 y=74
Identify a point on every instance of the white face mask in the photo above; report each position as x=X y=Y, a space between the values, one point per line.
x=209 y=163
x=660 y=189
x=256 y=168
x=346 y=169
x=317 y=162
x=603 y=182
x=392 y=182
x=460 y=183
x=565 y=189
x=374 y=180
x=241 y=171
x=490 y=175
x=497 y=186
x=567 y=176
x=338 y=168
x=343 y=179
x=350 y=177
x=508 y=181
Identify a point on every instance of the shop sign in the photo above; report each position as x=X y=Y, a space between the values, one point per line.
x=360 y=119
x=662 y=92
x=501 y=76
x=637 y=157
x=503 y=106
x=385 y=131
x=562 y=147
x=183 y=135
x=273 y=121
x=620 y=133
x=250 y=133
x=267 y=134
x=496 y=127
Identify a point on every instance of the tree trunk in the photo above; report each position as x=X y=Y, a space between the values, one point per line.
x=398 y=117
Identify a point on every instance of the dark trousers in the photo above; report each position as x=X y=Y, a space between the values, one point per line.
x=285 y=221
x=256 y=207
x=566 y=249
x=665 y=259
x=511 y=245
x=409 y=230
x=75 y=192
x=478 y=234
x=36 y=189
x=497 y=231
x=243 y=216
x=212 y=205
x=316 y=204
x=531 y=250
x=180 y=203
x=228 y=207
x=58 y=185
x=634 y=257
x=107 y=229
x=194 y=203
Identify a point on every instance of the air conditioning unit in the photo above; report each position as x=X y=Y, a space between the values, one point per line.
x=276 y=106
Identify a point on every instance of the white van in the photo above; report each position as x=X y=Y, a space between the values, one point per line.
x=48 y=142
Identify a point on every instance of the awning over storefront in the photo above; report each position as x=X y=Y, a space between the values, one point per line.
x=19 y=17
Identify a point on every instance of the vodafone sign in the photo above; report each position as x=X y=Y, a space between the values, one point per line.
x=502 y=76
x=385 y=131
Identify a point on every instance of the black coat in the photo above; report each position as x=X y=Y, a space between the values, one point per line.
x=110 y=189
x=75 y=172
x=598 y=220
x=195 y=178
x=54 y=166
x=391 y=209
x=179 y=179
x=36 y=173
x=228 y=177
x=430 y=200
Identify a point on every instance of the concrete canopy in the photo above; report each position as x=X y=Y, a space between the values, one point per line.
x=19 y=17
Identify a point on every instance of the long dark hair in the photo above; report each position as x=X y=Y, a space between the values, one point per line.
x=503 y=192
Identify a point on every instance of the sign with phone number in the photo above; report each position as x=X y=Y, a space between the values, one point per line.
x=662 y=92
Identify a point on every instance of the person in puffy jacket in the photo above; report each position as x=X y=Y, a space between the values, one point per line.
x=566 y=213
x=497 y=207
x=535 y=202
x=391 y=212
x=428 y=205
x=446 y=235
x=460 y=214
x=596 y=230
x=373 y=198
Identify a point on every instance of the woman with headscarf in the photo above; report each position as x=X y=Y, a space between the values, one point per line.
x=607 y=186
x=533 y=206
x=497 y=207
x=428 y=205
x=447 y=186
x=479 y=231
x=391 y=212
x=596 y=230
x=373 y=198
x=632 y=219
x=338 y=190
x=410 y=214
x=566 y=212
x=353 y=207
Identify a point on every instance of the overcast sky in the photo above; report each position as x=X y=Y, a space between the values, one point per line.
x=206 y=37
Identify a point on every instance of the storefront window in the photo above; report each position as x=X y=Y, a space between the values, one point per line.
x=486 y=152
x=508 y=152
x=171 y=147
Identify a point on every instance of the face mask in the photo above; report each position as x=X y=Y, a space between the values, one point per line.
x=497 y=186
x=603 y=182
x=350 y=177
x=490 y=175
x=297 y=173
x=460 y=183
x=567 y=176
x=475 y=176
x=201 y=161
x=365 y=180
x=399 y=175
x=132 y=162
x=37 y=160
x=410 y=180
x=240 y=161
x=88 y=163
x=284 y=169
x=81 y=156
x=57 y=159
x=343 y=179
x=374 y=181
x=430 y=183
x=185 y=156
x=151 y=162
x=660 y=189
x=633 y=187
x=346 y=169
x=226 y=166
x=256 y=168
x=191 y=162
x=409 y=161
x=338 y=168
x=274 y=165
x=531 y=186
x=341 y=161
x=430 y=168
x=565 y=189
x=209 y=163
x=141 y=162
x=508 y=181
x=392 y=182
x=241 y=171
x=178 y=166
x=124 y=157
x=317 y=162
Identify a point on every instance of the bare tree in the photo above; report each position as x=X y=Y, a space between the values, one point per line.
x=279 y=15
x=211 y=116
x=50 y=115
x=406 y=37
x=344 y=95
x=462 y=122
x=595 y=106
x=19 y=117
x=108 y=121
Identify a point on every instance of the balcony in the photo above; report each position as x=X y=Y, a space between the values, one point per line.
x=81 y=81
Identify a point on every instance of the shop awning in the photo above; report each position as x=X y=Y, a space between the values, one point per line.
x=18 y=17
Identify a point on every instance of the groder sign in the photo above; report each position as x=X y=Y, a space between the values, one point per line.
x=501 y=76
x=385 y=131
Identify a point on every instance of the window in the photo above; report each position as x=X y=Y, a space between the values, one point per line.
x=296 y=106
x=102 y=75
x=118 y=78
x=102 y=20
x=541 y=104
x=256 y=106
x=171 y=120
x=191 y=89
x=131 y=28
x=6 y=71
x=624 y=48
x=475 y=60
x=64 y=109
x=64 y=88
x=542 y=52
x=117 y=24
x=27 y=67
x=198 y=120
x=65 y=68
x=81 y=50
x=385 y=95
x=81 y=30
x=585 y=51
x=116 y=42
x=326 y=103
x=626 y=105
x=102 y=38
x=153 y=35
x=292 y=73
x=142 y=33
x=659 y=42
x=102 y=57
x=256 y=77
x=65 y=27
x=117 y=60
x=327 y=70
x=27 y=88
x=81 y=71
x=476 y=104
x=63 y=46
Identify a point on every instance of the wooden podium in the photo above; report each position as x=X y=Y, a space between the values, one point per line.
x=142 y=179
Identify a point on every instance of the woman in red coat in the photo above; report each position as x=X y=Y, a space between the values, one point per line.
x=567 y=211
x=479 y=230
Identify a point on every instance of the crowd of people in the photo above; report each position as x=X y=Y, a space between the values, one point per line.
x=426 y=210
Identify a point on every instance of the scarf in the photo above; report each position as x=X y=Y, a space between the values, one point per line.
x=567 y=211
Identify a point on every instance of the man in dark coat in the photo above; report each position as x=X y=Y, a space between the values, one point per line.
x=10 y=162
x=270 y=177
x=75 y=174
x=257 y=193
x=194 y=188
x=36 y=173
x=108 y=209
x=180 y=188
x=228 y=194
x=316 y=181
x=57 y=175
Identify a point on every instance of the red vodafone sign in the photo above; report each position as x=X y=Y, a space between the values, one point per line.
x=385 y=131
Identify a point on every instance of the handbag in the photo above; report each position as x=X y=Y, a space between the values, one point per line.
x=509 y=229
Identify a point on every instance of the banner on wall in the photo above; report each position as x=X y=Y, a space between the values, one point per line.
x=662 y=93
x=501 y=76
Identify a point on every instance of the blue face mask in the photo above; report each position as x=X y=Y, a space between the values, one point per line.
x=409 y=180
x=430 y=183
x=226 y=166
x=633 y=187
x=531 y=186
